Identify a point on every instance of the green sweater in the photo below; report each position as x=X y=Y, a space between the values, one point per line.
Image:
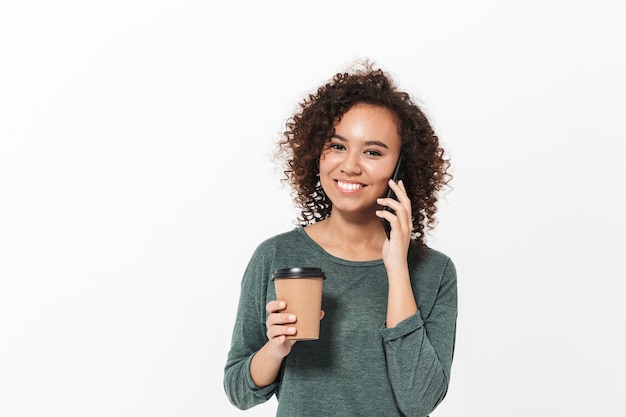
x=357 y=367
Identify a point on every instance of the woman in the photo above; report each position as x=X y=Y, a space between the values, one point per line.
x=389 y=304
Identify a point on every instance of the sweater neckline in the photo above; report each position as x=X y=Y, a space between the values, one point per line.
x=315 y=246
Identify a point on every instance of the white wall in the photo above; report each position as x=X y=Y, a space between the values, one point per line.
x=135 y=181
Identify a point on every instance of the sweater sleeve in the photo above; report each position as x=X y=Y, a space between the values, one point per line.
x=419 y=350
x=248 y=336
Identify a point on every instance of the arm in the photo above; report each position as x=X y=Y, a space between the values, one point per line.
x=401 y=303
x=419 y=350
x=249 y=336
x=258 y=347
x=418 y=344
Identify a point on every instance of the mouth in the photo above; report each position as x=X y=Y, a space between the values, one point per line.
x=349 y=187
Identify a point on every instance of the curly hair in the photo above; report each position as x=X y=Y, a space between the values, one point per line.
x=308 y=130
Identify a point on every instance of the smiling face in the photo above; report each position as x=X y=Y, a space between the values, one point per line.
x=359 y=159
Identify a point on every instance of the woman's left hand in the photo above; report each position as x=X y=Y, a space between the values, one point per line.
x=396 y=247
x=401 y=302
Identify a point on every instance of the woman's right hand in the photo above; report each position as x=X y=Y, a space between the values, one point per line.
x=279 y=326
x=266 y=363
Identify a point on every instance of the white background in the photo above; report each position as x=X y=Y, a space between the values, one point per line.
x=136 y=180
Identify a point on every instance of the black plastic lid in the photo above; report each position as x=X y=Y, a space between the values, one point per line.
x=299 y=273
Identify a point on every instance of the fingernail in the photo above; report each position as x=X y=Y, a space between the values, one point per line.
x=281 y=304
x=291 y=330
x=291 y=317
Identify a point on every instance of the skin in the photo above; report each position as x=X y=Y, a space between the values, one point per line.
x=355 y=167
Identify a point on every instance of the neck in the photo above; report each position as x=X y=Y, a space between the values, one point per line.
x=355 y=233
x=357 y=241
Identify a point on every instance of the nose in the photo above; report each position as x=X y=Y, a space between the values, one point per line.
x=351 y=166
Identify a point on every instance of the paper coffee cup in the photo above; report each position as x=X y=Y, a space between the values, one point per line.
x=301 y=289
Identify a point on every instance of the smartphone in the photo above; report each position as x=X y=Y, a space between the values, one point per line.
x=397 y=175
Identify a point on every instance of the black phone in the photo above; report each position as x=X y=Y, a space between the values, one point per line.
x=397 y=175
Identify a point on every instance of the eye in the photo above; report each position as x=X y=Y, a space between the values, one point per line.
x=372 y=152
x=336 y=146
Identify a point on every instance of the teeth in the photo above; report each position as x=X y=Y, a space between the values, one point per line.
x=349 y=186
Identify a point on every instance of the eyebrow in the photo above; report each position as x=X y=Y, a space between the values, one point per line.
x=367 y=142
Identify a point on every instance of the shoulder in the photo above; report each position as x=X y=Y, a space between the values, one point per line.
x=429 y=262
x=433 y=275
x=278 y=244
x=286 y=238
x=429 y=256
x=267 y=255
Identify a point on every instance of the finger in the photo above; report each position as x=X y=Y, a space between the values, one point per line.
x=404 y=201
x=400 y=222
x=283 y=339
x=389 y=203
x=407 y=201
x=390 y=217
x=401 y=195
x=395 y=187
x=322 y=314
x=280 y=319
x=400 y=190
x=275 y=306
x=280 y=330
x=400 y=210
x=280 y=324
x=392 y=203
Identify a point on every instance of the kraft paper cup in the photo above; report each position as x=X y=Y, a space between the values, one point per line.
x=301 y=289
